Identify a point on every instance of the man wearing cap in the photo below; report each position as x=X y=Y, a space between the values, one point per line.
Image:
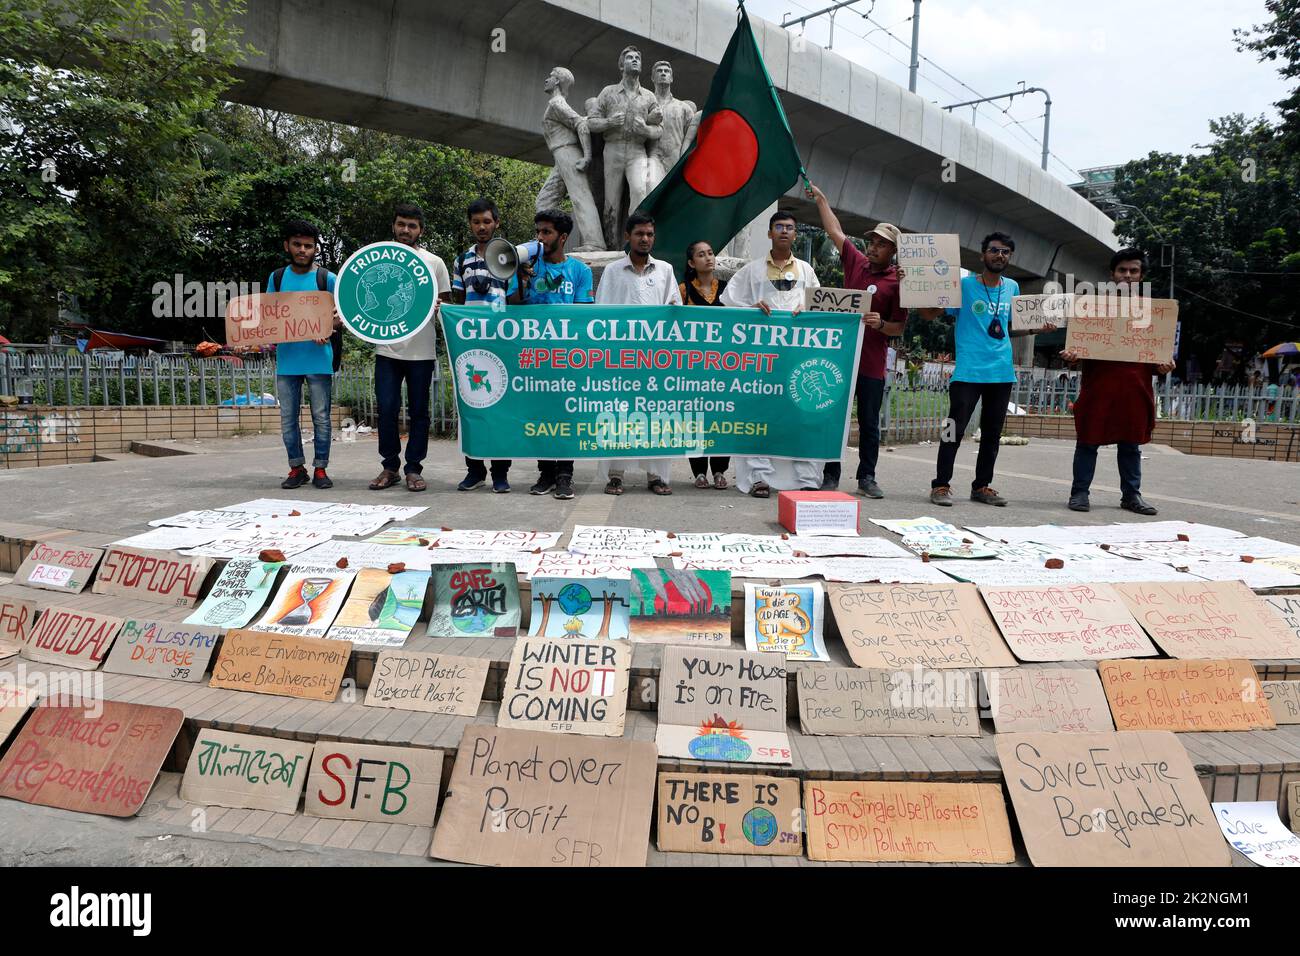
x=884 y=320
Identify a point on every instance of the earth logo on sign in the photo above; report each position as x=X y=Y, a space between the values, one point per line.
x=385 y=293
x=481 y=378
x=815 y=384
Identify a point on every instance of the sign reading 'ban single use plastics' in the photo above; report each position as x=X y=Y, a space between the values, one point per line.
x=614 y=381
x=385 y=293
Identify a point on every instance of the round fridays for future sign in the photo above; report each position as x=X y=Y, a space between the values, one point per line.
x=385 y=293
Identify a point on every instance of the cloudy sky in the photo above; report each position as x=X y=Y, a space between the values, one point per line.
x=1125 y=77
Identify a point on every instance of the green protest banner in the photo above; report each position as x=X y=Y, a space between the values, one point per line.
x=615 y=381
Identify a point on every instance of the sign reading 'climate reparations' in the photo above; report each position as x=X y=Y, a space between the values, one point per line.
x=607 y=381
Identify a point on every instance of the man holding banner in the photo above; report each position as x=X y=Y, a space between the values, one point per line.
x=885 y=319
x=1116 y=406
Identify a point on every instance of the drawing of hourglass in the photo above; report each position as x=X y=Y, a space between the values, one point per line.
x=309 y=590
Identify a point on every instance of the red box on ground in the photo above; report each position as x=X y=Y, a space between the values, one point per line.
x=817 y=512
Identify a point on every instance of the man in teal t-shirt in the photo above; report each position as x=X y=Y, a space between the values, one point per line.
x=984 y=370
x=299 y=362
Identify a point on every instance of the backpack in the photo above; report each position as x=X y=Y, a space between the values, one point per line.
x=322 y=284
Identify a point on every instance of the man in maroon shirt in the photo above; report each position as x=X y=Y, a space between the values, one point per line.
x=1116 y=406
x=875 y=272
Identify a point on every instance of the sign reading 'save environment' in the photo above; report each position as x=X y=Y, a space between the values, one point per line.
x=613 y=381
x=385 y=293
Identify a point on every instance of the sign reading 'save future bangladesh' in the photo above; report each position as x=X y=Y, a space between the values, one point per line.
x=614 y=381
x=385 y=293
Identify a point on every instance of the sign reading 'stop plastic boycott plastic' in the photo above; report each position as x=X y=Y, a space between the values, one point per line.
x=613 y=381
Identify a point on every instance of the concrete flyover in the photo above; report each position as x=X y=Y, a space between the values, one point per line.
x=428 y=69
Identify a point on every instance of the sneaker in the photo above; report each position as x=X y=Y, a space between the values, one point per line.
x=1079 y=502
x=297 y=478
x=988 y=496
x=500 y=486
x=471 y=483
x=1138 y=506
x=321 y=480
x=941 y=496
x=564 y=488
x=869 y=488
x=544 y=486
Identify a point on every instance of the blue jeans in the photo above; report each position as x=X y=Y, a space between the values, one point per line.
x=1127 y=454
x=389 y=374
x=288 y=392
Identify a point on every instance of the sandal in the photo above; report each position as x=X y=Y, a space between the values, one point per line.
x=386 y=479
x=659 y=487
x=614 y=486
x=719 y=481
x=415 y=482
x=701 y=481
x=760 y=490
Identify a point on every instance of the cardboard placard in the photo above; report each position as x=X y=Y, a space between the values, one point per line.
x=1293 y=803
x=933 y=625
x=246 y=771
x=1121 y=328
x=266 y=318
x=281 y=664
x=432 y=683
x=824 y=299
x=15 y=701
x=17 y=618
x=523 y=798
x=351 y=781
x=1209 y=619
x=592 y=608
x=307 y=601
x=162 y=577
x=381 y=608
x=1032 y=312
x=566 y=686
x=52 y=567
x=786 y=620
x=1283 y=698
x=884 y=820
x=79 y=639
x=929 y=271
x=159 y=649
x=1027 y=700
x=869 y=701
x=1254 y=831
x=1109 y=799
x=475 y=600
x=64 y=757
x=818 y=513
x=1071 y=622
x=1284 y=608
x=680 y=607
x=722 y=705
x=746 y=814
x=1199 y=695
x=238 y=594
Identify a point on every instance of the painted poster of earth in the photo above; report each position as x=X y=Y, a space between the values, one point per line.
x=381 y=608
x=681 y=607
x=475 y=600
x=579 y=607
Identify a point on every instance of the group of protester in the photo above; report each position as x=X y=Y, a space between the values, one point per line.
x=1116 y=403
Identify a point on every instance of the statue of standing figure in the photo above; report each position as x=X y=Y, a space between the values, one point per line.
x=569 y=141
x=622 y=114
x=679 y=120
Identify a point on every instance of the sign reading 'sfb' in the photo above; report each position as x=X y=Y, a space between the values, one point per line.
x=77 y=909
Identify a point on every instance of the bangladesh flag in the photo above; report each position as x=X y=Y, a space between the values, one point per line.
x=743 y=158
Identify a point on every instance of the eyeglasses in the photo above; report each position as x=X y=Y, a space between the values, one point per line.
x=999 y=251
x=784 y=228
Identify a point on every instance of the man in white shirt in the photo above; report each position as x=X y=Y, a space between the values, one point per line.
x=639 y=279
x=776 y=282
x=414 y=361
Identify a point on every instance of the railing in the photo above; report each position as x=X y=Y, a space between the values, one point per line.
x=71 y=379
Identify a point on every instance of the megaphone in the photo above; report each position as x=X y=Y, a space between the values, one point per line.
x=503 y=257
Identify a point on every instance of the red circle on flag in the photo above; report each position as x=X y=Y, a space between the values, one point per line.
x=725 y=154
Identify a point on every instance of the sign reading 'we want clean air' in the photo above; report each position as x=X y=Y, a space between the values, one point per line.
x=612 y=381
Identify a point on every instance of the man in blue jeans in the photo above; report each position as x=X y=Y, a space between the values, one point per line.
x=298 y=362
